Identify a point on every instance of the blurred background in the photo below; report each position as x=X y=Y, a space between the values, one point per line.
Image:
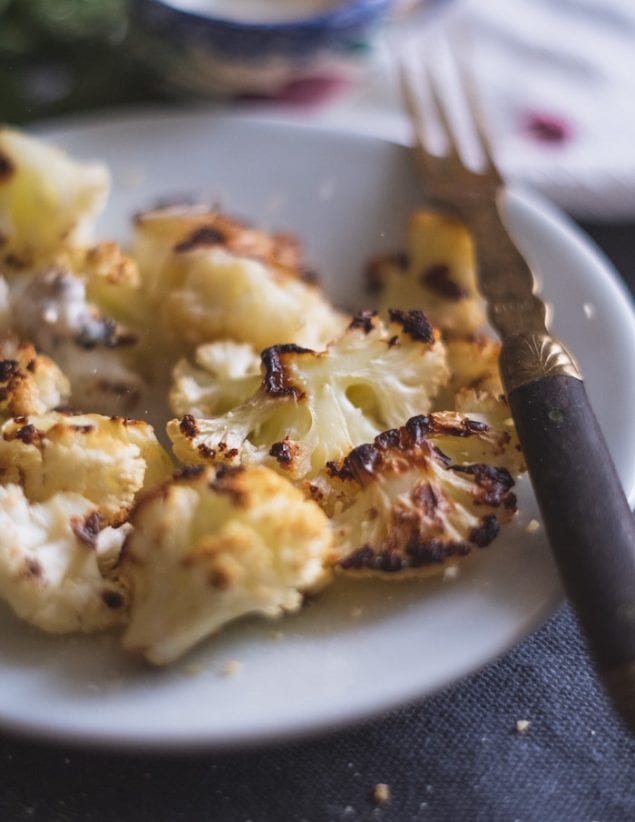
x=58 y=56
x=557 y=76
x=61 y=55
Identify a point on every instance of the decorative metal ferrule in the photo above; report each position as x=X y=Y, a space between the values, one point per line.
x=526 y=358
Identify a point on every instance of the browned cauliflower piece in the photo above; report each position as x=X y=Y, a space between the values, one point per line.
x=212 y=278
x=436 y=274
x=475 y=388
x=473 y=366
x=98 y=355
x=214 y=545
x=315 y=406
x=419 y=497
x=180 y=228
x=30 y=383
x=226 y=296
x=48 y=202
x=51 y=568
x=224 y=375
x=104 y=459
x=473 y=363
x=113 y=284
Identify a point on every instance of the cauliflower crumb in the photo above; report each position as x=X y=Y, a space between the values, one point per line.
x=211 y=546
x=522 y=726
x=381 y=793
x=231 y=668
x=451 y=572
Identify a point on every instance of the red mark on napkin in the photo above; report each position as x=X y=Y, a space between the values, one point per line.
x=548 y=128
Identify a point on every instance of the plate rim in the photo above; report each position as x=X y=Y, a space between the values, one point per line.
x=552 y=217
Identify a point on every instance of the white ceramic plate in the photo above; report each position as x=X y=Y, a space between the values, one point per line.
x=348 y=197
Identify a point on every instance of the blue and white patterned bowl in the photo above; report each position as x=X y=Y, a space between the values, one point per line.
x=200 y=53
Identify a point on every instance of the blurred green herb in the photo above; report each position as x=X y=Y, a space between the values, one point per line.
x=64 y=55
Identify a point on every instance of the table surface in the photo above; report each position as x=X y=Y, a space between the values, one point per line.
x=455 y=756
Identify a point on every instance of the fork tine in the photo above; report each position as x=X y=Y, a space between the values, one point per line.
x=419 y=109
x=472 y=100
x=452 y=151
x=466 y=98
x=414 y=109
x=411 y=102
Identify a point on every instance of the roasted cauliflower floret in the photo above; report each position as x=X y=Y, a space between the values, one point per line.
x=48 y=202
x=495 y=412
x=30 y=383
x=420 y=496
x=435 y=274
x=106 y=460
x=475 y=388
x=226 y=296
x=213 y=278
x=215 y=545
x=97 y=354
x=113 y=283
x=315 y=406
x=177 y=229
x=50 y=563
x=225 y=374
x=473 y=365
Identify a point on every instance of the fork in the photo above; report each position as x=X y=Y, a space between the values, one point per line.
x=587 y=518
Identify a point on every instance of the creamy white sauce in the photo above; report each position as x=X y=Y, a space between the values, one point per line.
x=257 y=11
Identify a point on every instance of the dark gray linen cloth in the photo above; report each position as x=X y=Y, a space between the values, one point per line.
x=456 y=756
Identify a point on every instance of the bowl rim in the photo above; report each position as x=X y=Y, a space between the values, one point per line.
x=344 y=13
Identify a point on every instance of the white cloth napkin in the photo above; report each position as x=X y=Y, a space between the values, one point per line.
x=557 y=78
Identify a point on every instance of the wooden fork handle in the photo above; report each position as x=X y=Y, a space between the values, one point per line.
x=588 y=521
